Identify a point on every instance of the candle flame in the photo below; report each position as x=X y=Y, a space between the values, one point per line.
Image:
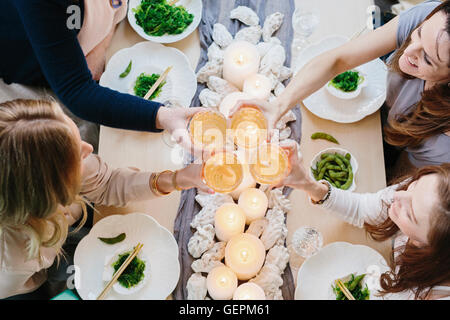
x=231 y=217
x=244 y=255
x=241 y=58
x=223 y=281
x=257 y=83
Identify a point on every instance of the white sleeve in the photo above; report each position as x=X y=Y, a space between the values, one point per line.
x=358 y=208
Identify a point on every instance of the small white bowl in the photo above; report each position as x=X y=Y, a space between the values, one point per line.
x=343 y=152
x=348 y=95
x=108 y=272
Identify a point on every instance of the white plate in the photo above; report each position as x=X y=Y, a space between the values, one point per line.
x=326 y=106
x=160 y=251
x=343 y=152
x=194 y=7
x=337 y=260
x=149 y=57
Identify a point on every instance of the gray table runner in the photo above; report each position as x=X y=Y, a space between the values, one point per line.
x=218 y=11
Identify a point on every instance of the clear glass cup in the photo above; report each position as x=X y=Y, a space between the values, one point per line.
x=307 y=241
x=223 y=172
x=305 y=22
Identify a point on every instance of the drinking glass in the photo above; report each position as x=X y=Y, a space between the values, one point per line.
x=307 y=241
x=304 y=23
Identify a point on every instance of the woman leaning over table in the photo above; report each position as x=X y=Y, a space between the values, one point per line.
x=418 y=84
x=40 y=48
x=414 y=213
x=47 y=173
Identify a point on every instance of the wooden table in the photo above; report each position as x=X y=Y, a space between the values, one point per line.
x=363 y=139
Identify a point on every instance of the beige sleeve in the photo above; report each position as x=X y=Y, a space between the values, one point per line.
x=105 y=186
x=20 y=282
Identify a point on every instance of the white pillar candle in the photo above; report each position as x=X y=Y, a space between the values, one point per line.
x=258 y=86
x=245 y=255
x=230 y=101
x=254 y=202
x=229 y=221
x=241 y=60
x=249 y=291
x=221 y=283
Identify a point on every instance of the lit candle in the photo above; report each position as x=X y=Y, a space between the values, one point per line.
x=229 y=221
x=249 y=291
x=245 y=255
x=230 y=101
x=258 y=86
x=244 y=156
x=241 y=60
x=221 y=283
x=254 y=202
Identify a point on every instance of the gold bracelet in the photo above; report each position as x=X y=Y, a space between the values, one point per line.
x=154 y=184
x=174 y=181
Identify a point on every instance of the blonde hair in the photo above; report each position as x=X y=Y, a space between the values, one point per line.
x=40 y=172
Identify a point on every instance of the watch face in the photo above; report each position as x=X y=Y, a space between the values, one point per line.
x=116 y=3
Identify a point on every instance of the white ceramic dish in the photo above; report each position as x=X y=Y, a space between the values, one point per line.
x=348 y=95
x=334 y=261
x=194 y=7
x=160 y=251
x=327 y=106
x=341 y=151
x=148 y=57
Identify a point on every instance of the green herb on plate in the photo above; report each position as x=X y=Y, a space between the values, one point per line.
x=127 y=70
x=347 y=81
x=158 y=18
x=324 y=136
x=114 y=240
x=355 y=287
x=144 y=82
x=133 y=274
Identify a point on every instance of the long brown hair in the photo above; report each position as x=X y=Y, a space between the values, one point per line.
x=431 y=115
x=420 y=269
x=40 y=171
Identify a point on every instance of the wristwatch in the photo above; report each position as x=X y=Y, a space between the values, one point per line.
x=326 y=196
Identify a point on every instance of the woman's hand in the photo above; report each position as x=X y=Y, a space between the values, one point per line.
x=176 y=121
x=191 y=177
x=299 y=177
x=271 y=110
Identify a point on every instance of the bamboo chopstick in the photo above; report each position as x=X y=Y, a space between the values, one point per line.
x=344 y=290
x=157 y=83
x=171 y=3
x=120 y=271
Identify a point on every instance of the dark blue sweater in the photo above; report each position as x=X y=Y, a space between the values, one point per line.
x=37 y=48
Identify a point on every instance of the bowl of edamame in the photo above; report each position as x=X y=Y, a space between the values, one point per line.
x=337 y=166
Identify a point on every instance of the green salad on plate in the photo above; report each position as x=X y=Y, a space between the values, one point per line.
x=347 y=81
x=157 y=18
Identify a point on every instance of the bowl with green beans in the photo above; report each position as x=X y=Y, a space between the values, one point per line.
x=337 y=166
